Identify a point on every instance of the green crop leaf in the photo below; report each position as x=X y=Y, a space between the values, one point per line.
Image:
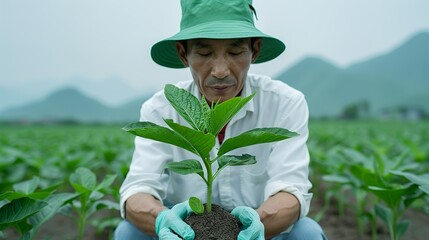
x=18 y=210
x=158 y=133
x=27 y=187
x=55 y=202
x=35 y=195
x=402 y=227
x=336 y=178
x=366 y=176
x=206 y=110
x=384 y=213
x=83 y=180
x=421 y=180
x=187 y=105
x=223 y=112
x=255 y=136
x=231 y=160
x=107 y=181
x=393 y=197
x=105 y=204
x=196 y=205
x=201 y=142
x=186 y=167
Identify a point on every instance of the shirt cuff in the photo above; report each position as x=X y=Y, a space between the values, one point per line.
x=304 y=199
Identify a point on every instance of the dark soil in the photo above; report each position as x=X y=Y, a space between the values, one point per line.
x=218 y=224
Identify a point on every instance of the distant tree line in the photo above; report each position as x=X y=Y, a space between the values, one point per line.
x=362 y=110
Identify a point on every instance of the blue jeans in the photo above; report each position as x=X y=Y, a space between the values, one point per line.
x=305 y=229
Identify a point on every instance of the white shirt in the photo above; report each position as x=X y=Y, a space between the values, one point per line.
x=281 y=166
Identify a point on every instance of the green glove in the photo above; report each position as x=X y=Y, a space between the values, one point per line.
x=252 y=229
x=169 y=223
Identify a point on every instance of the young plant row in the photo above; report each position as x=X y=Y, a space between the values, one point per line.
x=380 y=170
x=45 y=171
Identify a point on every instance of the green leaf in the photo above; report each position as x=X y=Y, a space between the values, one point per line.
x=187 y=105
x=392 y=197
x=336 y=178
x=223 y=112
x=55 y=202
x=421 y=180
x=186 y=167
x=231 y=160
x=206 y=110
x=384 y=213
x=96 y=195
x=19 y=209
x=158 y=133
x=27 y=187
x=102 y=204
x=107 y=181
x=202 y=143
x=106 y=204
x=366 y=176
x=35 y=195
x=83 y=180
x=196 y=205
x=402 y=227
x=255 y=136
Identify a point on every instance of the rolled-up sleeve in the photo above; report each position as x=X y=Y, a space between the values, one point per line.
x=146 y=173
x=289 y=160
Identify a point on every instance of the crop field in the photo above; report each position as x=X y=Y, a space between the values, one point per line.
x=370 y=179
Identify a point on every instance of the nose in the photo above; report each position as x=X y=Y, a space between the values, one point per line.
x=220 y=68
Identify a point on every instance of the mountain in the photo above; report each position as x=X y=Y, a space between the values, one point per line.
x=410 y=60
x=396 y=79
x=71 y=104
x=399 y=78
x=111 y=90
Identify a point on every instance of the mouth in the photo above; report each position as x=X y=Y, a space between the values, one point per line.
x=220 y=88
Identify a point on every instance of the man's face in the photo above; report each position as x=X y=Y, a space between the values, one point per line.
x=219 y=66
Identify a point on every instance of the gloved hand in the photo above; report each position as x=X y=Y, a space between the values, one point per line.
x=252 y=229
x=171 y=220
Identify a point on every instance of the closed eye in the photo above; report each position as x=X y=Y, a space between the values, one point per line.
x=236 y=53
x=204 y=54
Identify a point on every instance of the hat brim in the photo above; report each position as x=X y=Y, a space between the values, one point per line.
x=165 y=54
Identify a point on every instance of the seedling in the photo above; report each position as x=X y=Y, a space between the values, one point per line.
x=90 y=200
x=206 y=122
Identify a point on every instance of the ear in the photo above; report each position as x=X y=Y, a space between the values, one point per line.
x=181 y=51
x=256 y=48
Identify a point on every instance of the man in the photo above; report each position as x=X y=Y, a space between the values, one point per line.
x=218 y=42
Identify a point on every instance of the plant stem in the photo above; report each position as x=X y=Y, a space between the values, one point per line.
x=82 y=215
x=82 y=220
x=209 y=189
x=394 y=227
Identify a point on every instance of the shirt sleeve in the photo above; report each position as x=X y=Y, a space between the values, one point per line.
x=146 y=173
x=289 y=159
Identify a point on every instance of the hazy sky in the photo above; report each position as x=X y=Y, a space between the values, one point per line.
x=51 y=42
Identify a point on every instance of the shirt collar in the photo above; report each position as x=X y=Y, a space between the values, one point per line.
x=247 y=91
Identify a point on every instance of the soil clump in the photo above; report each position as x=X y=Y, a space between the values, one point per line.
x=217 y=224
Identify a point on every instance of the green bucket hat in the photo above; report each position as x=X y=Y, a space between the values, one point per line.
x=215 y=19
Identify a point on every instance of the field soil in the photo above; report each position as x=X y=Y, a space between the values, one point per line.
x=336 y=227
